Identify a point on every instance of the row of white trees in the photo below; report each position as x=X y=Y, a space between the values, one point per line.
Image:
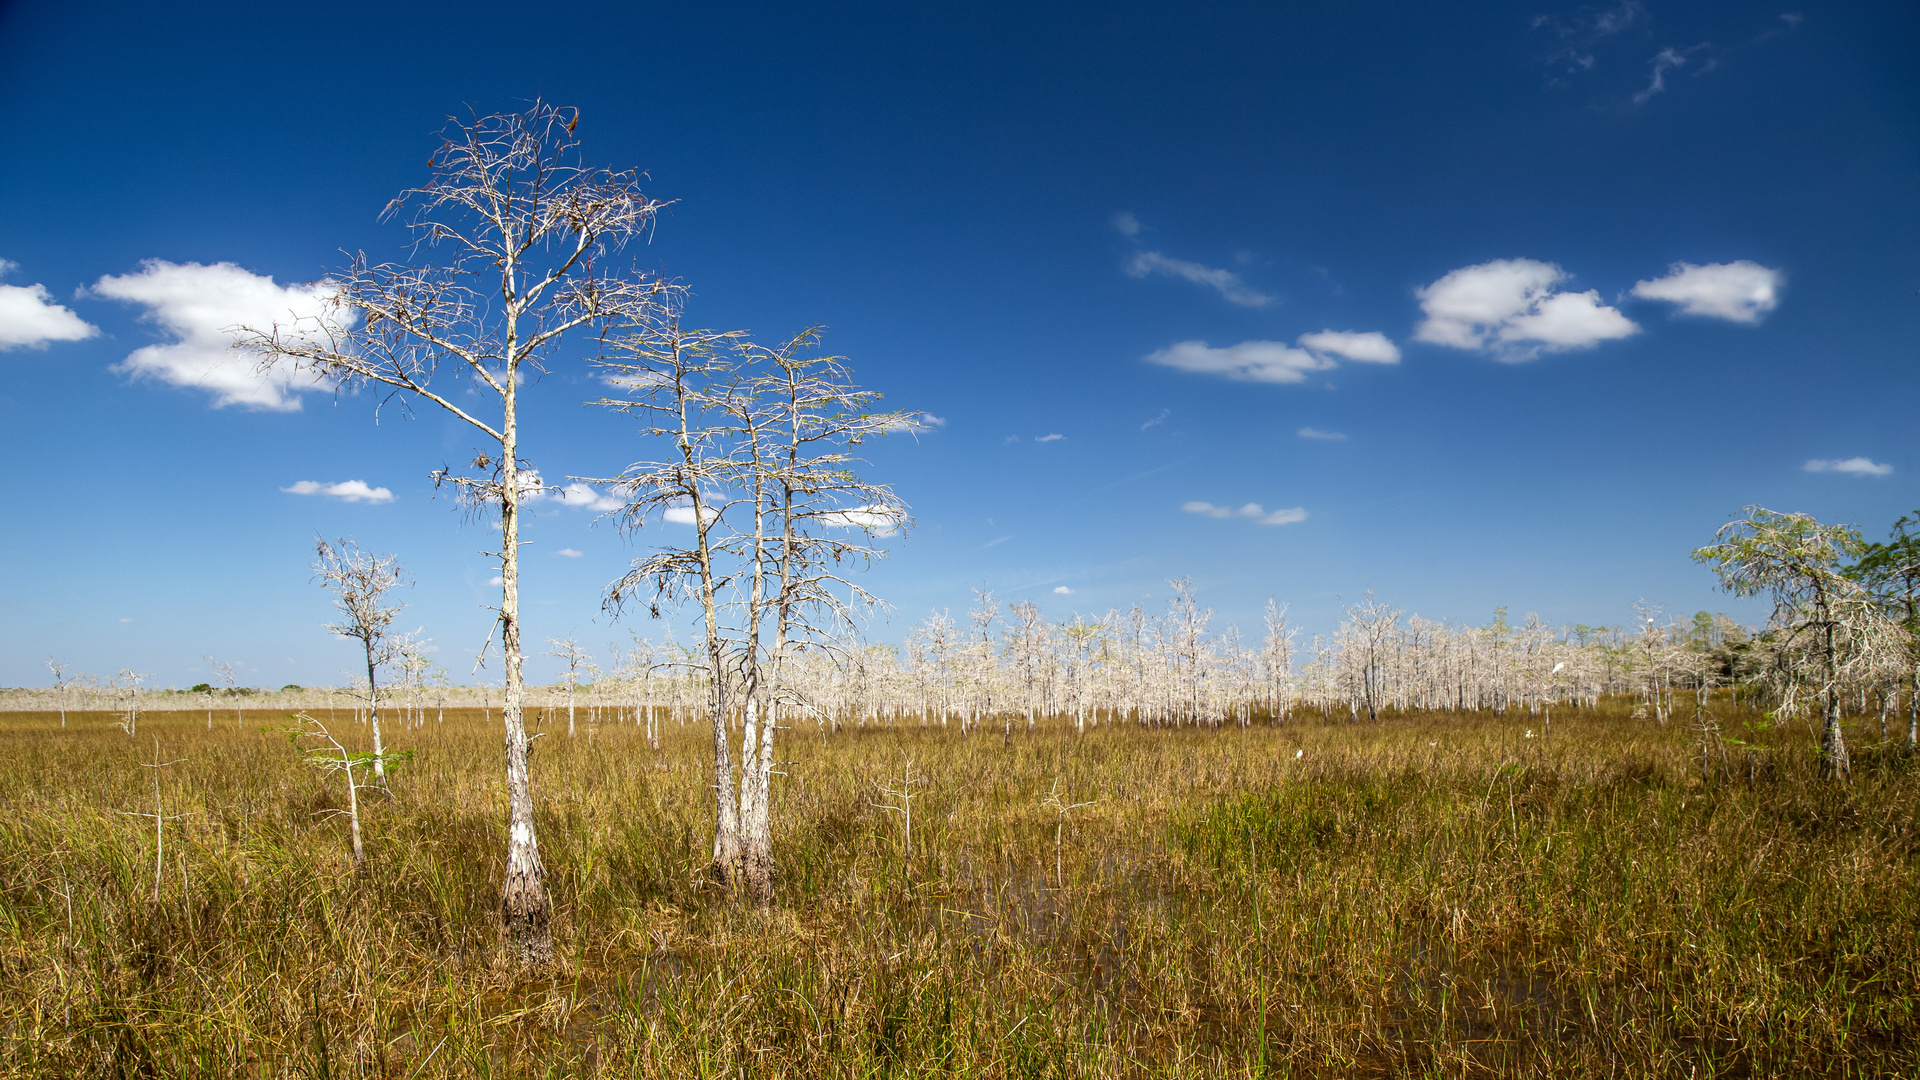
x=1008 y=670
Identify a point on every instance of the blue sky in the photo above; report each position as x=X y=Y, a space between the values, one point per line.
x=1175 y=236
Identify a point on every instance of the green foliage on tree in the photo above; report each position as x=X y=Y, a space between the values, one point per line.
x=1826 y=620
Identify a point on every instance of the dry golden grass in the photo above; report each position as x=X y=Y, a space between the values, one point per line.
x=1430 y=895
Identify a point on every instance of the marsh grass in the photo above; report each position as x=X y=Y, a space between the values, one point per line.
x=1427 y=895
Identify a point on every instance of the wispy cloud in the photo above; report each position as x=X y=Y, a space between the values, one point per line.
x=29 y=318
x=1158 y=419
x=570 y=553
x=1856 y=466
x=1249 y=361
x=1316 y=433
x=1055 y=437
x=1511 y=308
x=1669 y=59
x=1578 y=34
x=353 y=491
x=996 y=542
x=1250 y=510
x=1616 y=37
x=1062 y=590
x=1226 y=282
x=199 y=306
x=1126 y=224
x=1737 y=291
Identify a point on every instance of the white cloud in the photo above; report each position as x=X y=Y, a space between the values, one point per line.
x=1857 y=466
x=875 y=518
x=29 y=318
x=1737 y=291
x=1226 y=281
x=570 y=553
x=1062 y=590
x=584 y=497
x=1126 y=224
x=1569 y=321
x=1249 y=361
x=1509 y=307
x=199 y=305
x=683 y=515
x=1056 y=437
x=1158 y=419
x=352 y=491
x=496 y=580
x=1316 y=433
x=1370 y=347
x=1250 y=510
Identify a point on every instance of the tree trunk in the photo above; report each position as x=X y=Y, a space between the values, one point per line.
x=526 y=911
x=1913 y=713
x=353 y=809
x=373 y=713
x=1834 y=760
x=756 y=825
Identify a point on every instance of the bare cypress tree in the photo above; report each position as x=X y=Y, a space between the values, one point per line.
x=761 y=473
x=521 y=222
x=359 y=583
x=224 y=672
x=568 y=650
x=1372 y=624
x=132 y=679
x=1276 y=660
x=1029 y=639
x=59 y=670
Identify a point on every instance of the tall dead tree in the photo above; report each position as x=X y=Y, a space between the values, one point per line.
x=761 y=472
x=522 y=226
